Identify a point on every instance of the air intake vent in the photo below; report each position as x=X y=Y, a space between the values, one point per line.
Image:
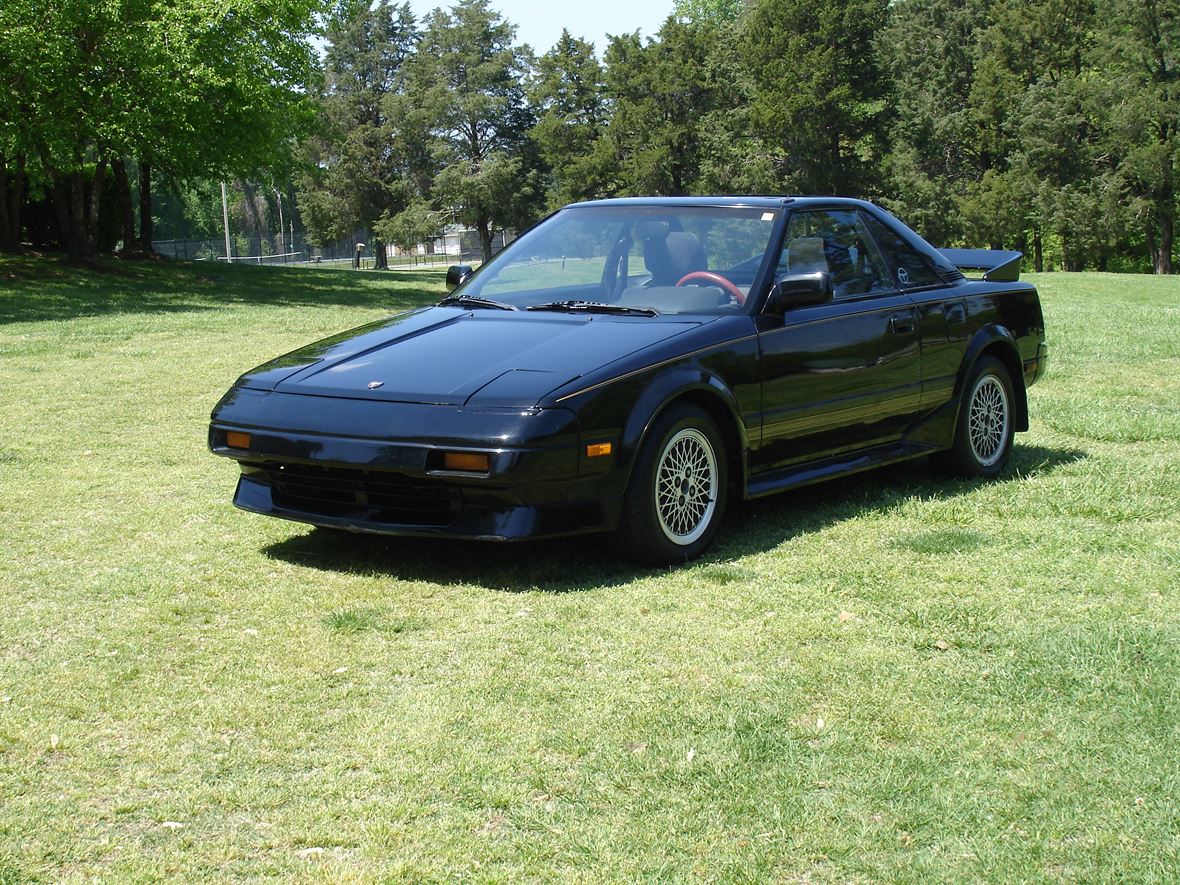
x=370 y=494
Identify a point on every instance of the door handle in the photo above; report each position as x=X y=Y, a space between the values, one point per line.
x=901 y=323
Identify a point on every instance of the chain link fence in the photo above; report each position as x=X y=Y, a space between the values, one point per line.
x=455 y=246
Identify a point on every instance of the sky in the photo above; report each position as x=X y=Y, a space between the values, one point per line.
x=539 y=22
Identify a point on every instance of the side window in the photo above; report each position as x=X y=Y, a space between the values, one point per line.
x=912 y=270
x=835 y=242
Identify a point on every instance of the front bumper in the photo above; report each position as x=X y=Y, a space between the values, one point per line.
x=317 y=460
x=488 y=520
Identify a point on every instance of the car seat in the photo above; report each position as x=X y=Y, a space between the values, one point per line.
x=670 y=256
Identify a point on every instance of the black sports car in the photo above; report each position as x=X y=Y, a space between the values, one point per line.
x=629 y=366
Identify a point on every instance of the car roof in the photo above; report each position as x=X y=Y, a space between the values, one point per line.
x=760 y=201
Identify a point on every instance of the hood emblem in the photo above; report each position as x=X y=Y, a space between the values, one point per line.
x=373 y=385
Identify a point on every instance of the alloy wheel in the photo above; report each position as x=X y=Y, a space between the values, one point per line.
x=686 y=486
x=988 y=420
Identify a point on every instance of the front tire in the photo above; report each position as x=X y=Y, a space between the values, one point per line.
x=984 y=431
x=676 y=497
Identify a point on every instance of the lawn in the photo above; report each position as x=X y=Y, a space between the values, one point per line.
x=888 y=678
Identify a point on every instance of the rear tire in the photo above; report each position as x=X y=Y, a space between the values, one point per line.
x=984 y=430
x=676 y=497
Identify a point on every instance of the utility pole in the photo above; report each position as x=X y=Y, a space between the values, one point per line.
x=279 y=200
x=225 y=222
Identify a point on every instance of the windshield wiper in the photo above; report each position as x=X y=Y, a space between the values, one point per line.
x=476 y=301
x=595 y=307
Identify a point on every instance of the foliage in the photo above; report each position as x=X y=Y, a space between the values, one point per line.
x=1139 y=50
x=1028 y=124
x=196 y=88
x=355 y=170
x=673 y=108
x=819 y=90
x=415 y=224
x=466 y=79
x=715 y=11
x=568 y=93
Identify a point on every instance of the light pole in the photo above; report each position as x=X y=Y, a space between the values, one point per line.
x=225 y=222
x=279 y=200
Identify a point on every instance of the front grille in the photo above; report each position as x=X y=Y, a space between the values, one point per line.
x=373 y=495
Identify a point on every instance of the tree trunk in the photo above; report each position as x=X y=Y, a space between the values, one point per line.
x=1153 y=253
x=5 y=237
x=61 y=206
x=485 y=238
x=100 y=176
x=380 y=259
x=76 y=199
x=79 y=242
x=69 y=192
x=1069 y=261
x=1167 y=232
x=126 y=211
x=250 y=199
x=1038 y=251
x=16 y=201
x=145 y=206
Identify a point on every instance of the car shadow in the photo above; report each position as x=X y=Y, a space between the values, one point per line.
x=586 y=562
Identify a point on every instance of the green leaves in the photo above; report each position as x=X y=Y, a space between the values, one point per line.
x=1047 y=126
x=356 y=169
x=819 y=90
x=466 y=87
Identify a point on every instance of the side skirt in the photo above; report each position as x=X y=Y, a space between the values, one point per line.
x=828 y=468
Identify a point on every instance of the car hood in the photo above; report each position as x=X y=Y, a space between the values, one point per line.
x=451 y=356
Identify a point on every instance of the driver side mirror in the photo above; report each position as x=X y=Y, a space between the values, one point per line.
x=797 y=290
x=457 y=275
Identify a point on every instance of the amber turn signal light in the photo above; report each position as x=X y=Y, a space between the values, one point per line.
x=235 y=439
x=597 y=450
x=468 y=462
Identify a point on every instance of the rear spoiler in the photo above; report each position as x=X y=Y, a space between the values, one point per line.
x=997 y=266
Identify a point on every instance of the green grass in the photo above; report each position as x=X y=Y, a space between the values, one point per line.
x=886 y=678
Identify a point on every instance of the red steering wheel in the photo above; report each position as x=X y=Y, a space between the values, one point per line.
x=716 y=279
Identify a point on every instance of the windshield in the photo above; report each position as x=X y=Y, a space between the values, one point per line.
x=655 y=259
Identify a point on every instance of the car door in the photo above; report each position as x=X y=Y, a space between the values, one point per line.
x=842 y=375
x=942 y=312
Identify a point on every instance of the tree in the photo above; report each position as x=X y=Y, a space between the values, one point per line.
x=415 y=224
x=466 y=82
x=568 y=94
x=18 y=58
x=357 y=172
x=714 y=11
x=819 y=90
x=193 y=87
x=994 y=136
x=1030 y=106
x=1139 y=40
x=231 y=92
x=928 y=51
x=76 y=69
x=667 y=103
